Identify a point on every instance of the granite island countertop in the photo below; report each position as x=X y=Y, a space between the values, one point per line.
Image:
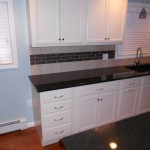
x=129 y=134
x=47 y=82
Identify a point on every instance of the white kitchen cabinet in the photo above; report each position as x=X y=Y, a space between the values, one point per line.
x=106 y=20
x=145 y=96
x=145 y=99
x=88 y=112
x=107 y=108
x=128 y=97
x=53 y=114
x=98 y=108
x=72 y=21
x=59 y=113
x=54 y=22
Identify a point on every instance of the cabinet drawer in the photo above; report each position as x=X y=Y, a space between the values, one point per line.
x=56 y=107
x=57 y=95
x=57 y=132
x=57 y=119
x=133 y=82
x=146 y=80
x=98 y=88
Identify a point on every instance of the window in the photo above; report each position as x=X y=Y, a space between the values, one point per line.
x=8 y=50
x=137 y=33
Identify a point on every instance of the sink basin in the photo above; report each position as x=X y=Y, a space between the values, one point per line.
x=140 y=68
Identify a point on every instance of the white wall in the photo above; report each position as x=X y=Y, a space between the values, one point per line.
x=14 y=83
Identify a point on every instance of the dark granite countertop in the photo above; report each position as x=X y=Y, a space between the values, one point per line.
x=62 y=80
x=128 y=134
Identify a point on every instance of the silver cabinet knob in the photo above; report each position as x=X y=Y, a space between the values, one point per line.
x=58 y=96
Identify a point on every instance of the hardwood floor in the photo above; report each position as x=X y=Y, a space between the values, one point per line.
x=25 y=140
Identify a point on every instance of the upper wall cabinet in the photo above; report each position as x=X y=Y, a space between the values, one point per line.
x=106 y=20
x=55 y=22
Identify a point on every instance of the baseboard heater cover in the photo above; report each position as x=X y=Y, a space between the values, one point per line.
x=14 y=125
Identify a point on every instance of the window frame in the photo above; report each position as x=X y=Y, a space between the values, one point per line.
x=14 y=63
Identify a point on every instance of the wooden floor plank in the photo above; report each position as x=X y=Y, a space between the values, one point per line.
x=24 y=140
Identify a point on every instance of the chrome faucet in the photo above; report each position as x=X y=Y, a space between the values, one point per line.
x=139 y=55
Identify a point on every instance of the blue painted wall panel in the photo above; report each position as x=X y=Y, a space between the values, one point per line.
x=14 y=83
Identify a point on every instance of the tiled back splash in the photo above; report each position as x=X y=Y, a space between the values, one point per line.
x=69 y=57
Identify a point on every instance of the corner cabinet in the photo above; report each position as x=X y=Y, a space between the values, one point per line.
x=106 y=20
x=55 y=22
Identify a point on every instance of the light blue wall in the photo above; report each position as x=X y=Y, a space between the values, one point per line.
x=14 y=83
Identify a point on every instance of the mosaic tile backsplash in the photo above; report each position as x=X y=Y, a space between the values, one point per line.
x=69 y=57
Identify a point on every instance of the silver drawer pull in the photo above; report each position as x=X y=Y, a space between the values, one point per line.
x=61 y=132
x=55 y=120
x=58 y=107
x=131 y=83
x=131 y=90
x=60 y=119
x=99 y=89
x=58 y=96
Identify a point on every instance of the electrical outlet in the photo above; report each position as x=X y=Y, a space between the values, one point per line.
x=29 y=103
x=105 y=56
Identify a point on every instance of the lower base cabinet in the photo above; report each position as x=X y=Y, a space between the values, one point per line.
x=98 y=109
x=87 y=118
x=63 y=112
x=127 y=103
x=145 y=99
x=107 y=108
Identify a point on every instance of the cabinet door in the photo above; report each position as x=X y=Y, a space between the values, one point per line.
x=107 y=107
x=116 y=20
x=45 y=21
x=88 y=112
x=96 y=20
x=71 y=21
x=127 y=103
x=145 y=99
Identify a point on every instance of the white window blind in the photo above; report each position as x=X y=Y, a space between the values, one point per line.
x=8 y=47
x=5 y=45
x=137 y=33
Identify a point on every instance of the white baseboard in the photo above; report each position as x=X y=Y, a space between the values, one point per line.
x=30 y=124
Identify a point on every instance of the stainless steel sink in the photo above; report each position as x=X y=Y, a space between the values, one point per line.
x=140 y=68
